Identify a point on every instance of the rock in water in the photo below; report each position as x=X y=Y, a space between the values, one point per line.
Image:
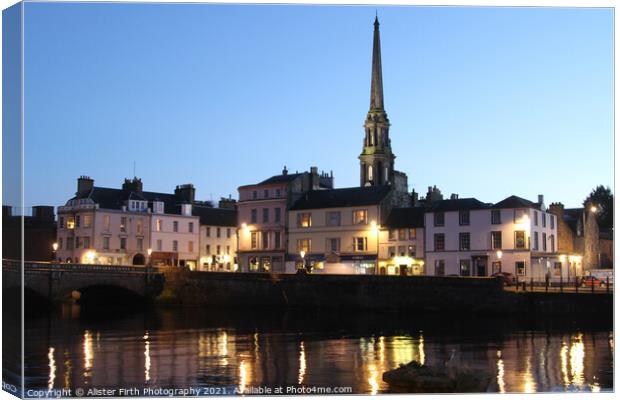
x=417 y=378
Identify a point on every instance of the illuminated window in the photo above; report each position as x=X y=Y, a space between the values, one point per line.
x=303 y=245
x=411 y=233
x=88 y=221
x=123 y=225
x=304 y=220
x=520 y=239
x=360 y=217
x=158 y=225
x=392 y=234
x=139 y=227
x=70 y=223
x=402 y=234
x=360 y=244
x=254 y=240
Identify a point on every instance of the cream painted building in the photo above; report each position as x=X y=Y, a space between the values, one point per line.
x=401 y=242
x=337 y=231
x=218 y=239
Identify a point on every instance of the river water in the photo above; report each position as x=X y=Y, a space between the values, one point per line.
x=225 y=351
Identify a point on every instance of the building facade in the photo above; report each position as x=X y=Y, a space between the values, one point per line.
x=263 y=212
x=337 y=231
x=401 y=242
x=130 y=226
x=466 y=237
x=218 y=239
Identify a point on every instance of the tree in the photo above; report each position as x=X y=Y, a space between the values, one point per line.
x=603 y=199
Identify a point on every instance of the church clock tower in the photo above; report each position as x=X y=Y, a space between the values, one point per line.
x=377 y=159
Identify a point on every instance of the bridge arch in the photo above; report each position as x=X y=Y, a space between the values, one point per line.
x=139 y=259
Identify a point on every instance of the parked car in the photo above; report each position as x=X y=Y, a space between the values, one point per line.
x=589 y=281
x=506 y=278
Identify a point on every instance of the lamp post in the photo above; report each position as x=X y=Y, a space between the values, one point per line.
x=303 y=261
x=149 y=252
x=54 y=249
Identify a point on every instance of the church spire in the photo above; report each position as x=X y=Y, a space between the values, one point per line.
x=376 y=86
x=377 y=159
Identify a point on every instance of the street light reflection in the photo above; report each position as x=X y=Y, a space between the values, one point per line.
x=302 y=363
x=500 y=373
x=88 y=353
x=372 y=380
x=52 y=365
x=147 y=357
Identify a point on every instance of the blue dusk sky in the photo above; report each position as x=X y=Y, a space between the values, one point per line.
x=484 y=102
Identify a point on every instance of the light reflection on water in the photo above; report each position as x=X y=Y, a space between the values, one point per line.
x=521 y=361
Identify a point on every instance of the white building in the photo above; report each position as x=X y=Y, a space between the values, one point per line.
x=122 y=226
x=466 y=237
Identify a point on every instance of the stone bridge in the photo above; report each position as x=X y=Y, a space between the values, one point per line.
x=58 y=281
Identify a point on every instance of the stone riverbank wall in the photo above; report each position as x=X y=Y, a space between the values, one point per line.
x=369 y=292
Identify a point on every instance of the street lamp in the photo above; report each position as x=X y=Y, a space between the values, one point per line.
x=55 y=248
x=593 y=209
x=149 y=252
x=499 y=254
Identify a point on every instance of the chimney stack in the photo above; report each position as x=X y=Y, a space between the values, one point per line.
x=84 y=186
x=133 y=185
x=185 y=193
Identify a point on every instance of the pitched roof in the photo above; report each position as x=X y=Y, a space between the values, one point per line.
x=347 y=197
x=410 y=217
x=458 y=204
x=215 y=216
x=114 y=199
x=280 y=179
x=516 y=202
